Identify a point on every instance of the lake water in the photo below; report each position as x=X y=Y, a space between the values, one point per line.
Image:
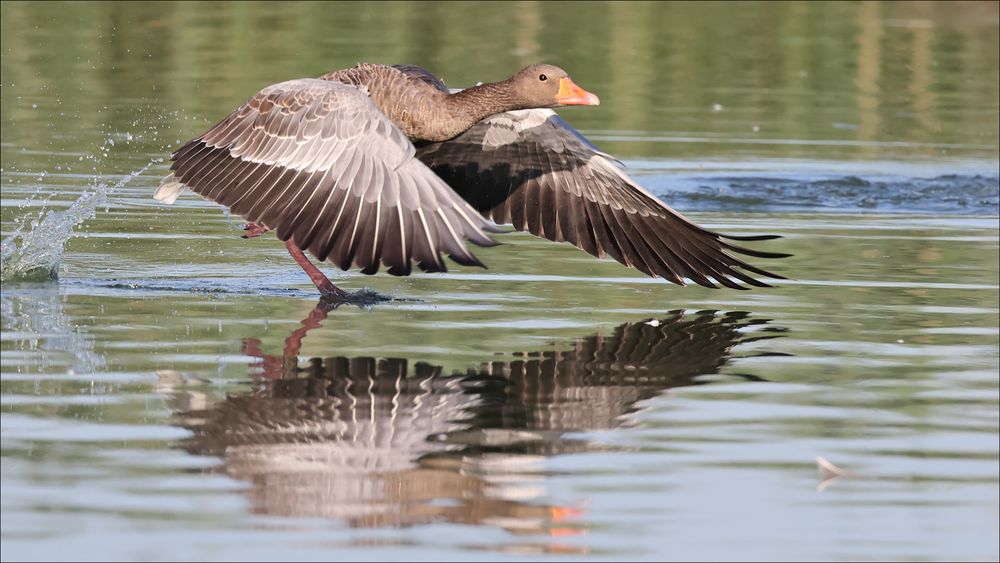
x=177 y=393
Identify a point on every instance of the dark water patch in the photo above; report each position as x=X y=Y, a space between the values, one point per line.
x=364 y=297
x=948 y=194
x=193 y=286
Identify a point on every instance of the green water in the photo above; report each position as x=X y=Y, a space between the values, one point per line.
x=177 y=394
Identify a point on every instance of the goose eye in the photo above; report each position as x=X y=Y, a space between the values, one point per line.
x=542 y=77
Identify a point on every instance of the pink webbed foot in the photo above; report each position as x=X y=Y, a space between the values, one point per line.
x=254 y=230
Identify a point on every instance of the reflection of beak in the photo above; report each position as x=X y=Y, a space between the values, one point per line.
x=572 y=95
x=560 y=513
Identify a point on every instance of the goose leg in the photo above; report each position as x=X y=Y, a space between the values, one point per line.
x=322 y=282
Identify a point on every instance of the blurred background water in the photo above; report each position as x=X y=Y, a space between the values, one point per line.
x=178 y=393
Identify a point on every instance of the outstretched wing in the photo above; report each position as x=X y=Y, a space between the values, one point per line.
x=319 y=163
x=531 y=169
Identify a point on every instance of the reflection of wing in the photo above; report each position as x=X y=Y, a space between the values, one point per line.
x=344 y=442
x=376 y=441
x=601 y=379
x=360 y=401
x=316 y=161
x=588 y=386
x=531 y=169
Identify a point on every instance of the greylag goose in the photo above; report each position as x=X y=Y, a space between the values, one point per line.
x=383 y=165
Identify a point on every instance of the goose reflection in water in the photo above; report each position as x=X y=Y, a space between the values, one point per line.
x=395 y=442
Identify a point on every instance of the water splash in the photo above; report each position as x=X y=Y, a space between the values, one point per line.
x=32 y=250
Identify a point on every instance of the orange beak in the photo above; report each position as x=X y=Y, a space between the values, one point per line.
x=572 y=95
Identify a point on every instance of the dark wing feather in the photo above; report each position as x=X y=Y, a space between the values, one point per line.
x=531 y=169
x=317 y=162
x=421 y=74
